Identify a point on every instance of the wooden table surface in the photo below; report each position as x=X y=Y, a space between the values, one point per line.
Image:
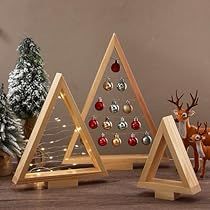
x=118 y=191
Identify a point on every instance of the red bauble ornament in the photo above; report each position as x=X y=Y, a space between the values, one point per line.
x=115 y=66
x=99 y=105
x=135 y=124
x=102 y=140
x=93 y=123
x=132 y=141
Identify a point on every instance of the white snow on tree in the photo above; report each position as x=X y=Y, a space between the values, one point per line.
x=11 y=132
x=28 y=82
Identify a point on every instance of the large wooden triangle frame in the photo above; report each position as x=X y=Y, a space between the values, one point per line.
x=168 y=189
x=119 y=162
x=58 y=88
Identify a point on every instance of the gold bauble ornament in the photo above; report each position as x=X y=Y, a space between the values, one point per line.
x=107 y=124
x=108 y=85
x=117 y=140
x=127 y=107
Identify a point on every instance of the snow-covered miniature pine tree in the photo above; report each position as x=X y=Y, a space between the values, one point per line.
x=28 y=82
x=11 y=132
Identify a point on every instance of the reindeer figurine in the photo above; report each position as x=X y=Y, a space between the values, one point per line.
x=186 y=130
x=203 y=150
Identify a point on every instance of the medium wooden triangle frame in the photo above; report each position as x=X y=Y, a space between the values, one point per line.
x=115 y=44
x=168 y=189
x=58 y=87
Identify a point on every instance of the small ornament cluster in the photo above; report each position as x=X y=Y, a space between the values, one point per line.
x=114 y=107
x=132 y=141
x=107 y=124
x=121 y=85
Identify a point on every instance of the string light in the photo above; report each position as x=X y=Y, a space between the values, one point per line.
x=78 y=129
x=57 y=119
x=51 y=150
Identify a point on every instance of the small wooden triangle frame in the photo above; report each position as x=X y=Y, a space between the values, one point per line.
x=58 y=87
x=115 y=44
x=169 y=189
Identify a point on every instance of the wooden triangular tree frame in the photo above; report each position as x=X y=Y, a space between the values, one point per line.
x=58 y=88
x=114 y=44
x=168 y=189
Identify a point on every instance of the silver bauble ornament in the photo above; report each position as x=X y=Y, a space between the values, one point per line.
x=147 y=139
x=114 y=107
x=127 y=107
x=107 y=124
x=121 y=85
x=108 y=85
x=117 y=140
x=122 y=125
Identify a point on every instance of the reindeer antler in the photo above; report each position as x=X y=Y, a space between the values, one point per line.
x=205 y=128
x=179 y=106
x=198 y=126
x=194 y=101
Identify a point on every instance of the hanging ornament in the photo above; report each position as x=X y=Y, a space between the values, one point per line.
x=93 y=123
x=102 y=140
x=147 y=139
x=127 y=107
x=122 y=125
x=108 y=85
x=99 y=105
x=107 y=124
x=114 y=107
x=117 y=140
x=135 y=124
x=115 y=66
x=121 y=85
x=132 y=141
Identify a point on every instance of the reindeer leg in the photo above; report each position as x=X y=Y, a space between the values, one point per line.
x=196 y=160
x=203 y=171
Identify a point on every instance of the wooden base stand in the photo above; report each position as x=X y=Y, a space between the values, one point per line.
x=171 y=196
x=115 y=162
x=123 y=166
x=62 y=184
x=40 y=185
